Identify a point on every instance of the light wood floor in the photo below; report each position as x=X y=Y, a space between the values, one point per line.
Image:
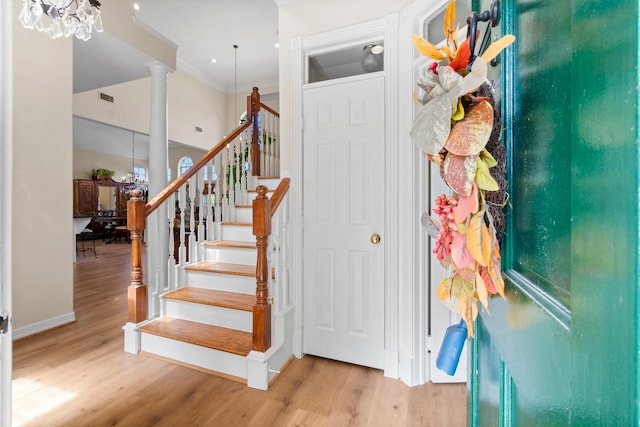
x=79 y=375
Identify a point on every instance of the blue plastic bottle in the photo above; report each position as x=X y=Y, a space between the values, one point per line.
x=452 y=344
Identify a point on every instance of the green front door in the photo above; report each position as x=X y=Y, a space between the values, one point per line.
x=563 y=348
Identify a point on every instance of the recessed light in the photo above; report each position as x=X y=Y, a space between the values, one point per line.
x=136 y=6
x=214 y=60
x=277 y=45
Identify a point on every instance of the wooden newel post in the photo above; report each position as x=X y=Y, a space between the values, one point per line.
x=137 y=292
x=262 y=309
x=254 y=108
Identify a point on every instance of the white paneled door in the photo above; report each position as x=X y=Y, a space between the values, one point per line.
x=344 y=240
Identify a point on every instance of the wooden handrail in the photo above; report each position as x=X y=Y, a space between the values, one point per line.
x=154 y=203
x=269 y=109
x=278 y=195
x=253 y=107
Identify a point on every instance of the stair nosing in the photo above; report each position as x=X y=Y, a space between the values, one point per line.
x=231 y=244
x=223 y=268
x=213 y=297
x=173 y=328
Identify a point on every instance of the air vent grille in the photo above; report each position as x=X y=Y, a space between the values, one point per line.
x=106 y=97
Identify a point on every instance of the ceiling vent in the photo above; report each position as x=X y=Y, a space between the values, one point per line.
x=106 y=97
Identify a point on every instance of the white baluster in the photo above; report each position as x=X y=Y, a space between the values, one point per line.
x=182 y=250
x=171 y=261
x=273 y=250
x=191 y=239
x=283 y=278
x=243 y=174
x=209 y=205
x=202 y=207
x=217 y=230
x=269 y=129
x=276 y=144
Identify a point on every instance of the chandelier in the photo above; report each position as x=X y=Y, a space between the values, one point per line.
x=58 y=18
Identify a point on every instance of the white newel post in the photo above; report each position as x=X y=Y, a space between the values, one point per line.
x=157 y=223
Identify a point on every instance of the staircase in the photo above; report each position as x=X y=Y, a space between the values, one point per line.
x=221 y=304
x=207 y=321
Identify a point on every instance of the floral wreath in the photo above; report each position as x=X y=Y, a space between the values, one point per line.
x=459 y=131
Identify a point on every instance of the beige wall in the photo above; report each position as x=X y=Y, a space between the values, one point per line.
x=130 y=109
x=176 y=153
x=191 y=103
x=42 y=257
x=306 y=17
x=84 y=161
x=117 y=20
x=269 y=96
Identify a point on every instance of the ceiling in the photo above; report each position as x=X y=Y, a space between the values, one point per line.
x=201 y=30
x=206 y=29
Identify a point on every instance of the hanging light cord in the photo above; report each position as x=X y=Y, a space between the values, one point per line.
x=235 y=80
x=133 y=156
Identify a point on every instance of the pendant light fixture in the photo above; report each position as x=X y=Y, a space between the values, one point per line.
x=57 y=18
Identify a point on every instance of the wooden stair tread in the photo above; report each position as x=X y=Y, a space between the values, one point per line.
x=224 y=268
x=245 y=224
x=232 y=244
x=213 y=297
x=215 y=337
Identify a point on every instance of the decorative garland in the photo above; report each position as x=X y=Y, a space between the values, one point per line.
x=459 y=131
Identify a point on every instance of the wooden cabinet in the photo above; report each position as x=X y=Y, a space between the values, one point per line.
x=85 y=198
x=101 y=198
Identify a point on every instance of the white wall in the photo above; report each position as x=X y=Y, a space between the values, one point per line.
x=305 y=17
x=85 y=160
x=42 y=257
x=191 y=103
x=176 y=153
x=268 y=96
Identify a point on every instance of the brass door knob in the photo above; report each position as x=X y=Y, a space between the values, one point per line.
x=375 y=239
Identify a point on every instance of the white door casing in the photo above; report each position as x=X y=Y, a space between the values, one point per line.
x=440 y=317
x=6 y=170
x=344 y=143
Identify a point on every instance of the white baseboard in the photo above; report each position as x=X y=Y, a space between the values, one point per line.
x=34 y=328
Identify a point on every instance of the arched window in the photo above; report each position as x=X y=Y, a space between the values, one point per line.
x=184 y=164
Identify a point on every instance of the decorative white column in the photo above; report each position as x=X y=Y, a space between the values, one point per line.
x=157 y=223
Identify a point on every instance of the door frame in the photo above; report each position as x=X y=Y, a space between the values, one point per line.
x=6 y=142
x=394 y=285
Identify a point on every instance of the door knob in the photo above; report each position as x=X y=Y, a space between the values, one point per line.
x=375 y=239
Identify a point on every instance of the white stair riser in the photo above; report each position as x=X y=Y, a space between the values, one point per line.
x=207 y=358
x=247 y=256
x=222 y=282
x=244 y=214
x=243 y=233
x=210 y=315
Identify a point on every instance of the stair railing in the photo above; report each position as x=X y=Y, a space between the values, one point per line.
x=221 y=175
x=263 y=215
